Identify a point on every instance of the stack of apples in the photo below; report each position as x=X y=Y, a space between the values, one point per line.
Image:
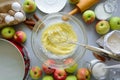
x=60 y=74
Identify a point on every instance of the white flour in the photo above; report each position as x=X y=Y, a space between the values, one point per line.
x=114 y=43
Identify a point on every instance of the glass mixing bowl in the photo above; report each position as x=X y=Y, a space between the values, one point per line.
x=43 y=54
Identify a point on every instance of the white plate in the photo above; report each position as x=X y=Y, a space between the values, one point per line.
x=50 y=6
x=12 y=65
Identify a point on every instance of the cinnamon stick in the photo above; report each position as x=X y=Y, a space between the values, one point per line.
x=29 y=19
x=29 y=26
x=32 y=23
x=36 y=17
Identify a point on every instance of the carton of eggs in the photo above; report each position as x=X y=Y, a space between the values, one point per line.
x=12 y=14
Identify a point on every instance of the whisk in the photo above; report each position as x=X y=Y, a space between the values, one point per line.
x=61 y=38
x=57 y=36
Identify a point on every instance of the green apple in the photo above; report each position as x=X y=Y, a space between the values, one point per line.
x=29 y=6
x=47 y=77
x=73 y=67
x=102 y=27
x=35 y=72
x=115 y=23
x=7 y=32
x=88 y=16
x=83 y=74
x=71 y=77
x=73 y=1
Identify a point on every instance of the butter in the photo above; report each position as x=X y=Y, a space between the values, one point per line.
x=55 y=48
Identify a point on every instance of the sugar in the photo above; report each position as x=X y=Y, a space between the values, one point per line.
x=100 y=13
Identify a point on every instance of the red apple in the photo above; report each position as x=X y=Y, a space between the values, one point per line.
x=20 y=36
x=60 y=74
x=72 y=68
x=46 y=68
x=83 y=74
x=35 y=72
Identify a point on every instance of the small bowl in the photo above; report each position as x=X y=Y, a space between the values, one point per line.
x=111 y=41
x=43 y=54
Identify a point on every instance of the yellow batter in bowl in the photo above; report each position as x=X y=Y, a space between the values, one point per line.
x=58 y=30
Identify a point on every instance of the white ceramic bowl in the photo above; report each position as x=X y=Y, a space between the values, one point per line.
x=50 y=6
x=12 y=64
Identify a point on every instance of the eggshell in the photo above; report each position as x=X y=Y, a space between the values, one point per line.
x=9 y=19
x=16 y=6
x=19 y=16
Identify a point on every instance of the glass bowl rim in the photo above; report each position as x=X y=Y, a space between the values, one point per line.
x=75 y=59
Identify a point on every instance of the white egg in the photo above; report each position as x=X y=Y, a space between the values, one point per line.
x=16 y=6
x=19 y=16
x=9 y=19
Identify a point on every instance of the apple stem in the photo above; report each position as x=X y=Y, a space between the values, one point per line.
x=27 y=3
x=59 y=74
x=101 y=24
x=35 y=72
x=9 y=31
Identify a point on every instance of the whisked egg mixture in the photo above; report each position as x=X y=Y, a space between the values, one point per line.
x=54 y=34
